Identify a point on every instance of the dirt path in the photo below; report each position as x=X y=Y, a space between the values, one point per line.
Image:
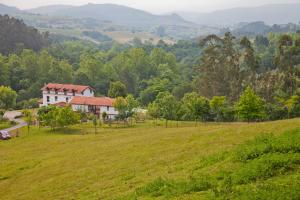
x=11 y=116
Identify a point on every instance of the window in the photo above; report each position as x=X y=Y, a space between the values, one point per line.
x=65 y=92
x=73 y=93
x=48 y=99
x=55 y=98
x=48 y=91
x=107 y=108
x=91 y=91
x=56 y=91
x=67 y=99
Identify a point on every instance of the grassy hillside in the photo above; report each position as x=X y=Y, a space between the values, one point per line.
x=4 y=125
x=147 y=162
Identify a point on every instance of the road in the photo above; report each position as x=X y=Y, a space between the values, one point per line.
x=12 y=116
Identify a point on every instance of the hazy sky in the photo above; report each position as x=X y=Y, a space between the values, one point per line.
x=154 y=6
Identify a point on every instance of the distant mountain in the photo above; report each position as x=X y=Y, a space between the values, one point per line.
x=270 y=14
x=260 y=28
x=4 y=9
x=121 y=15
x=49 y=10
x=253 y=28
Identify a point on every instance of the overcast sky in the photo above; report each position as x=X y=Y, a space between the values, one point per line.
x=154 y=6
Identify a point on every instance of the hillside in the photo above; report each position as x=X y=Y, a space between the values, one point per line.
x=49 y=10
x=14 y=34
x=146 y=162
x=121 y=15
x=4 y=9
x=270 y=14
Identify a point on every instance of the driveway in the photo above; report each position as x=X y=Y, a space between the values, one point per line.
x=12 y=116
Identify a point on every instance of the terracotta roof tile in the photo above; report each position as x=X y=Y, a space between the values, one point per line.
x=95 y=101
x=67 y=87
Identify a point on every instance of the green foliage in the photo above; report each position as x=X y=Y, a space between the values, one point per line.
x=125 y=107
x=291 y=103
x=117 y=89
x=28 y=117
x=250 y=106
x=218 y=106
x=7 y=97
x=153 y=110
x=15 y=35
x=57 y=117
x=95 y=123
x=259 y=167
x=221 y=66
x=167 y=105
x=195 y=107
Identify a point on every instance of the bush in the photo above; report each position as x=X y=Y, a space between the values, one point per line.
x=288 y=142
x=266 y=166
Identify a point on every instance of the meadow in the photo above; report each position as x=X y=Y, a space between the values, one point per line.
x=4 y=125
x=210 y=161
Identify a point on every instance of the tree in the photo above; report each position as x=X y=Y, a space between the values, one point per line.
x=250 y=106
x=95 y=123
x=4 y=71
x=153 y=111
x=131 y=105
x=7 y=97
x=291 y=103
x=57 y=117
x=67 y=117
x=167 y=104
x=125 y=107
x=217 y=105
x=14 y=34
x=104 y=116
x=120 y=105
x=117 y=89
x=220 y=73
x=160 y=31
x=195 y=107
x=28 y=117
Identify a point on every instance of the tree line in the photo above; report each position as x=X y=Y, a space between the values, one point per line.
x=16 y=35
x=213 y=68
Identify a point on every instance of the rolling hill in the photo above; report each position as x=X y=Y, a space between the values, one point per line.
x=4 y=9
x=121 y=15
x=211 y=161
x=270 y=14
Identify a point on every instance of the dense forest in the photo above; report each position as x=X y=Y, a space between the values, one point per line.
x=217 y=69
x=15 y=35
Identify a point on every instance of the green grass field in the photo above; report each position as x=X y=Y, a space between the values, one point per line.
x=146 y=162
x=4 y=125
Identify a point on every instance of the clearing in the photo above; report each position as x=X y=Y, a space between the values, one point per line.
x=147 y=162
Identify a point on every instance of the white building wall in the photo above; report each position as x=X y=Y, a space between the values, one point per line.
x=110 y=111
x=88 y=93
x=83 y=108
x=62 y=97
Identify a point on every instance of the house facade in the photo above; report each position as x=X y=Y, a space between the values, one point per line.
x=80 y=97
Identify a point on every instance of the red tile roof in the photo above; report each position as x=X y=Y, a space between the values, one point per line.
x=93 y=101
x=61 y=104
x=67 y=87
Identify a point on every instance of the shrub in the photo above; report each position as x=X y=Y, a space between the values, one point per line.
x=266 y=166
x=288 y=142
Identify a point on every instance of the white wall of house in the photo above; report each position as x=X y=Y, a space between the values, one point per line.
x=110 y=111
x=88 y=93
x=83 y=108
x=52 y=97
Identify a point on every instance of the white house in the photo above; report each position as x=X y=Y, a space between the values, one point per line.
x=80 y=97
x=96 y=105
